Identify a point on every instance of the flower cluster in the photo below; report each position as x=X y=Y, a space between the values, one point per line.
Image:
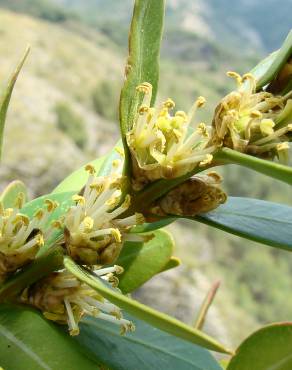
x=199 y=194
x=64 y=299
x=256 y=123
x=20 y=237
x=94 y=233
x=162 y=145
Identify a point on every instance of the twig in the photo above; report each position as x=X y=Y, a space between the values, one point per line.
x=199 y=323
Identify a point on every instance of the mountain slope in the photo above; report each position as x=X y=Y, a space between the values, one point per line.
x=62 y=67
x=250 y=24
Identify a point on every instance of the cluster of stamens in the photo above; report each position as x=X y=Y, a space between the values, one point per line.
x=65 y=299
x=162 y=145
x=256 y=123
x=94 y=233
x=21 y=237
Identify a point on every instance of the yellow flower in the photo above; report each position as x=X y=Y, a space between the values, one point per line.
x=65 y=299
x=253 y=122
x=161 y=143
x=20 y=237
x=94 y=231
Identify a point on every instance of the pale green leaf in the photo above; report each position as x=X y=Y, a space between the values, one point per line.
x=267 y=349
x=142 y=261
x=10 y=193
x=30 y=342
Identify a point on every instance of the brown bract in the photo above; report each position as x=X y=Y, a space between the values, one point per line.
x=198 y=194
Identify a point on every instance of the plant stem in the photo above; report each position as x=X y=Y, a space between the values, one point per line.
x=142 y=200
x=269 y=168
x=40 y=267
x=206 y=305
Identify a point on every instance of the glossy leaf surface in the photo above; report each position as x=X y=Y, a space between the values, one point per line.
x=267 y=349
x=147 y=348
x=142 y=261
x=153 y=317
x=265 y=222
x=29 y=342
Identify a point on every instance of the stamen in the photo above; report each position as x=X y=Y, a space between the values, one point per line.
x=90 y=168
x=120 y=151
x=73 y=327
x=20 y=201
x=79 y=199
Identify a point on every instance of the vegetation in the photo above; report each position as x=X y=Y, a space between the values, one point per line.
x=105 y=98
x=262 y=301
x=71 y=124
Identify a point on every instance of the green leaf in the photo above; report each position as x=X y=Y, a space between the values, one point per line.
x=143 y=60
x=267 y=349
x=145 y=349
x=65 y=202
x=107 y=165
x=267 y=70
x=153 y=317
x=265 y=222
x=10 y=193
x=172 y=263
x=269 y=168
x=6 y=95
x=142 y=261
x=76 y=180
x=29 y=342
x=142 y=65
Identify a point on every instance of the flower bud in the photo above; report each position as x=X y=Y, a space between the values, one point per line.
x=199 y=194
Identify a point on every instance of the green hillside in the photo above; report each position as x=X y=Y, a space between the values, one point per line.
x=64 y=69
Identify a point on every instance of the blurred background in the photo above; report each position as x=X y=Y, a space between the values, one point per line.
x=64 y=113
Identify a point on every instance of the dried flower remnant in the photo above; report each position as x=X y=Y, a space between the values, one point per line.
x=256 y=123
x=20 y=237
x=65 y=299
x=94 y=233
x=199 y=194
x=161 y=144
